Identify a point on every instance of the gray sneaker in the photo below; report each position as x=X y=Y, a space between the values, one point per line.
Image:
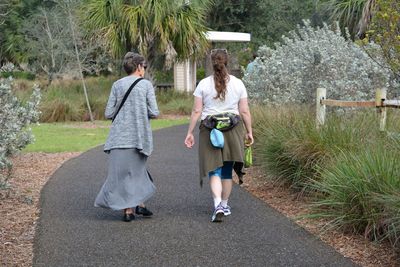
x=218 y=214
x=227 y=210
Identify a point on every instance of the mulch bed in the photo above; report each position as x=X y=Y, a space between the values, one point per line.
x=19 y=205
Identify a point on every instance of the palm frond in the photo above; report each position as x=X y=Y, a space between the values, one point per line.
x=368 y=11
x=347 y=12
x=115 y=40
x=174 y=28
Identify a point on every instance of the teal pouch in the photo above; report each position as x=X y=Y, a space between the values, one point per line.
x=217 y=138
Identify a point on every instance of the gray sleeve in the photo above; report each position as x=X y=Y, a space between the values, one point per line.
x=111 y=104
x=152 y=108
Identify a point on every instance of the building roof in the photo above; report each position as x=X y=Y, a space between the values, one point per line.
x=215 y=36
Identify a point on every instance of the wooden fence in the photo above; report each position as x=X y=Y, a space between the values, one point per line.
x=381 y=103
x=164 y=86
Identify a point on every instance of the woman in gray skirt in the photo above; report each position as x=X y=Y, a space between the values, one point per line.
x=130 y=142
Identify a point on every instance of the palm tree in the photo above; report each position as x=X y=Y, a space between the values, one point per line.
x=172 y=28
x=353 y=14
x=369 y=10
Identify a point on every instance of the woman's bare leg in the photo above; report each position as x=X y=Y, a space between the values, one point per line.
x=216 y=189
x=226 y=189
x=128 y=211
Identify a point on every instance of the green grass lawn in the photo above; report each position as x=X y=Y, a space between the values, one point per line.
x=74 y=137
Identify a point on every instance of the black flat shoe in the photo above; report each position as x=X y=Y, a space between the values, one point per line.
x=128 y=217
x=143 y=211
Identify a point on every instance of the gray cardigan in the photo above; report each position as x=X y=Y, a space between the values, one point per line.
x=131 y=128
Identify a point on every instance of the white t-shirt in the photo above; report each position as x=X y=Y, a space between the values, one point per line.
x=234 y=92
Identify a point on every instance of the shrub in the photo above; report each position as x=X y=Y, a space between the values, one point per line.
x=284 y=144
x=360 y=192
x=164 y=76
x=98 y=106
x=7 y=67
x=19 y=75
x=200 y=73
x=61 y=109
x=174 y=102
x=14 y=118
x=290 y=147
x=310 y=58
x=349 y=166
x=385 y=31
x=63 y=100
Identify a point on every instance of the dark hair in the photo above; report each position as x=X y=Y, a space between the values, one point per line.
x=132 y=62
x=219 y=60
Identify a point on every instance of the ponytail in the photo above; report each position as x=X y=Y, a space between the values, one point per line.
x=219 y=59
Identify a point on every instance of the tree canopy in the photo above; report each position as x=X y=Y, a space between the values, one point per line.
x=11 y=37
x=172 y=28
x=267 y=21
x=385 y=31
x=355 y=15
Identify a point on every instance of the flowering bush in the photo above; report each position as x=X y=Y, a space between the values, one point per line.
x=310 y=58
x=14 y=118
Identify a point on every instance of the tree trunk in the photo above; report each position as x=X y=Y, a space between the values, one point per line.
x=150 y=57
x=368 y=11
x=79 y=62
x=50 y=74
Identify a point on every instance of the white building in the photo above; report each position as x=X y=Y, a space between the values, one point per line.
x=185 y=72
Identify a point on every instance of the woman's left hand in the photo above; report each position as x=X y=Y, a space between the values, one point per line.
x=189 y=140
x=249 y=139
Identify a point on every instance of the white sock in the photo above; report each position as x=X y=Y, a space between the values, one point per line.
x=217 y=201
x=224 y=203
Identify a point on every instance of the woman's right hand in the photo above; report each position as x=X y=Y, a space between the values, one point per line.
x=189 y=140
x=249 y=139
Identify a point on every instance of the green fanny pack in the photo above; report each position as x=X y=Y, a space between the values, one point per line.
x=222 y=122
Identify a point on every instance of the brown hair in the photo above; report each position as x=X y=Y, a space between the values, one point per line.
x=132 y=62
x=219 y=60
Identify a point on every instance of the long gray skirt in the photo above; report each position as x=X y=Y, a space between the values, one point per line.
x=128 y=183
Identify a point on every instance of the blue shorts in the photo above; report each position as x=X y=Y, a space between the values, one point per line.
x=224 y=172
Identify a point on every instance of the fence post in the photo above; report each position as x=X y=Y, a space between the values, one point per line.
x=380 y=97
x=321 y=95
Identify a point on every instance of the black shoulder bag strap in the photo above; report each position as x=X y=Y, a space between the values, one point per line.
x=126 y=96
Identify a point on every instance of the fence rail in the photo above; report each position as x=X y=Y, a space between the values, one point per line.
x=381 y=103
x=164 y=86
x=340 y=103
x=391 y=103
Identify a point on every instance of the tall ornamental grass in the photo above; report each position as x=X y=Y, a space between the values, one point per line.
x=360 y=192
x=289 y=145
x=174 y=102
x=64 y=100
x=350 y=168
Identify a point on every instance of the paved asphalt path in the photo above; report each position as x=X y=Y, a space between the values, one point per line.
x=72 y=232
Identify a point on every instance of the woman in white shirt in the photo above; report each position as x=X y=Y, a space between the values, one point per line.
x=218 y=94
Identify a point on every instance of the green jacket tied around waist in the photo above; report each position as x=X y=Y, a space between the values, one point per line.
x=211 y=158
